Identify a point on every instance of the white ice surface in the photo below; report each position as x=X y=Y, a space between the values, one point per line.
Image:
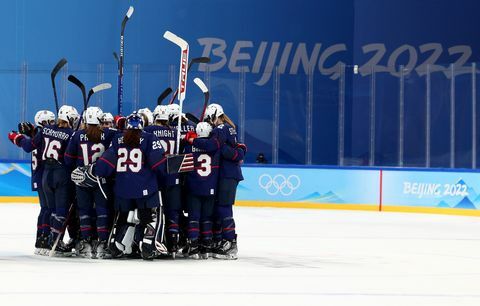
x=287 y=257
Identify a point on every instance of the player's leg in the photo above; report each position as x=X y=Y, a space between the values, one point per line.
x=226 y=198
x=206 y=226
x=43 y=223
x=84 y=208
x=103 y=216
x=62 y=191
x=172 y=209
x=147 y=229
x=194 y=206
x=121 y=238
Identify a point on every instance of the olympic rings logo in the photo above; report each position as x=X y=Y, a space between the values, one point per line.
x=279 y=184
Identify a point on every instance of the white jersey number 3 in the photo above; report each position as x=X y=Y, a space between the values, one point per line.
x=205 y=165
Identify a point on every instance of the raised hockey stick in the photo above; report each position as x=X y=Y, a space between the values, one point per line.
x=206 y=95
x=196 y=60
x=86 y=98
x=163 y=95
x=54 y=72
x=182 y=77
x=121 y=59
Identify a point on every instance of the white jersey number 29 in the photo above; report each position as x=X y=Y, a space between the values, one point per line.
x=134 y=157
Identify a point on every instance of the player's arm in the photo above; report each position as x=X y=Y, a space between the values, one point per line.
x=106 y=164
x=71 y=153
x=236 y=153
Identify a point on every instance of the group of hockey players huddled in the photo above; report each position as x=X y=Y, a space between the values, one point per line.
x=114 y=185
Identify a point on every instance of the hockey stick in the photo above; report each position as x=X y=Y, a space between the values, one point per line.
x=55 y=70
x=163 y=95
x=86 y=98
x=196 y=60
x=62 y=230
x=182 y=77
x=116 y=58
x=120 y=66
x=206 y=95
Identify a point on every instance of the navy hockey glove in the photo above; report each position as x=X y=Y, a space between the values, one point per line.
x=26 y=128
x=243 y=147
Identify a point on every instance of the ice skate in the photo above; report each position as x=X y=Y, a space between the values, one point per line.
x=227 y=249
x=84 y=248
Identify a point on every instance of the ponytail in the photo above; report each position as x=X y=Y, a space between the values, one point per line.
x=226 y=119
x=131 y=138
x=94 y=133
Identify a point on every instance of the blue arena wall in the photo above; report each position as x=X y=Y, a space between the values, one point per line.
x=358 y=188
x=269 y=59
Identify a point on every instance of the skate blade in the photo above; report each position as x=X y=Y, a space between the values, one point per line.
x=194 y=256
x=226 y=256
x=206 y=255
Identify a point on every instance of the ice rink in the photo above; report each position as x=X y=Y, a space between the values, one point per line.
x=286 y=257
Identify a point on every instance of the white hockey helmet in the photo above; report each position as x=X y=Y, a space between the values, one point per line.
x=44 y=117
x=173 y=111
x=134 y=122
x=203 y=129
x=106 y=118
x=69 y=114
x=147 y=113
x=213 y=111
x=161 y=112
x=93 y=115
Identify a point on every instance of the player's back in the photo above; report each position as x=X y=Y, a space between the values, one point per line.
x=203 y=180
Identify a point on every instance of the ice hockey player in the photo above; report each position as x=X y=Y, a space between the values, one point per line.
x=223 y=134
x=201 y=186
x=169 y=184
x=85 y=147
x=52 y=140
x=42 y=118
x=147 y=116
x=107 y=120
x=133 y=157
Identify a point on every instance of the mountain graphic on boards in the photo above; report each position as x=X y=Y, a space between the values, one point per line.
x=329 y=197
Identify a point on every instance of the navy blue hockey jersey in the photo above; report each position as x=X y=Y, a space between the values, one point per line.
x=221 y=135
x=204 y=179
x=36 y=161
x=52 y=141
x=168 y=138
x=81 y=152
x=134 y=168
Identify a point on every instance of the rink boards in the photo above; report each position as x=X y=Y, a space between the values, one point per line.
x=359 y=188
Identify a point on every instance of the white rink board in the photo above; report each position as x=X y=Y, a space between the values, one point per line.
x=287 y=257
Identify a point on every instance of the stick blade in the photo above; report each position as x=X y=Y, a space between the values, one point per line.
x=76 y=81
x=163 y=95
x=129 y=12
x=201 y=85
x=101 y=87
x=175 y=39
x=57 y=67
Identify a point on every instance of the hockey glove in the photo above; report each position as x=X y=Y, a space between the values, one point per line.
x=243 y=147
x=190 y=136
x=15 y=137
x=26 y=128
x=84 y=177
x=180 y=163
x=119 y=122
